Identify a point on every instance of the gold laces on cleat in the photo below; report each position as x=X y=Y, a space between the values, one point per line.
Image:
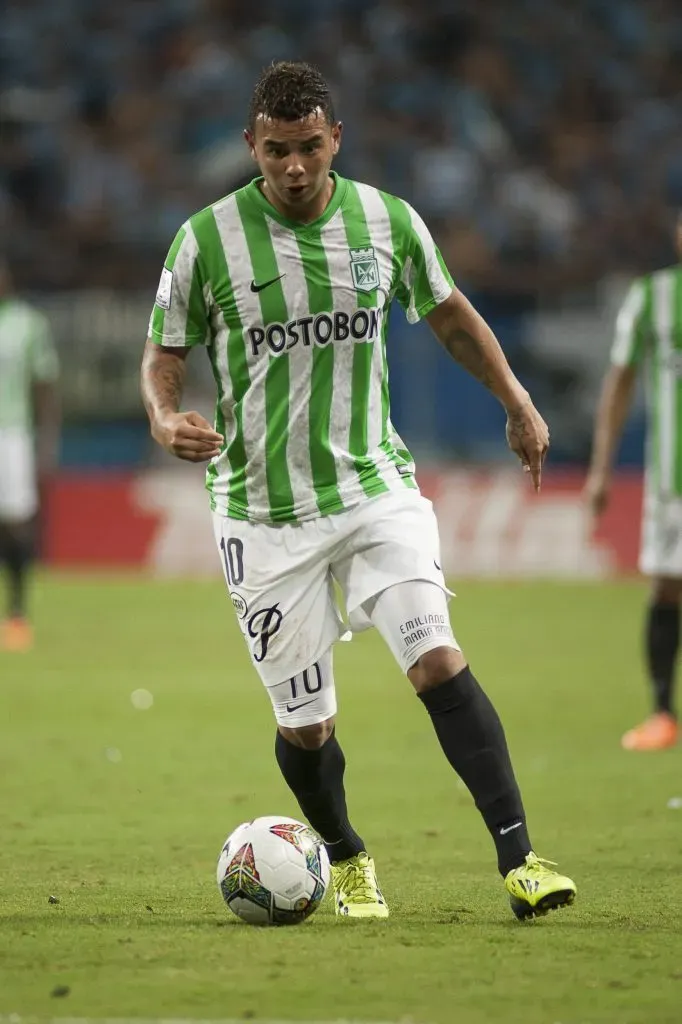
x=539 y=864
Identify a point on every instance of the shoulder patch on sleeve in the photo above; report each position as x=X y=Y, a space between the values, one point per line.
x=165 y=289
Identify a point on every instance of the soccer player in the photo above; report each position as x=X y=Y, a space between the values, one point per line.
x=29 y=431
x=649 y=333
x=287 y=283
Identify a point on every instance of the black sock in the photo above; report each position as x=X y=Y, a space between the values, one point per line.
x=473 y=740
x=17 y=554
x=315 y=777
x=662 y=645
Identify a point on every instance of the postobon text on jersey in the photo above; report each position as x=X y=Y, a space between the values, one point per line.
x=362 y=325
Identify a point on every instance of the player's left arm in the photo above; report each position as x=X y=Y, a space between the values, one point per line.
x=469 y=340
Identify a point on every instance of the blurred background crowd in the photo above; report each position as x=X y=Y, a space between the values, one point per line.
x=540 y=139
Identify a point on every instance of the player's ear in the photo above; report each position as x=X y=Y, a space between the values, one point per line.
x=337 y=132
x=251 y=143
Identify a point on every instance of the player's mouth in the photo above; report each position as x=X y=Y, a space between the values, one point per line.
x=296 y=190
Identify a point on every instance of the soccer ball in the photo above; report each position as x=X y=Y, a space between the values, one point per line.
x=273 y=870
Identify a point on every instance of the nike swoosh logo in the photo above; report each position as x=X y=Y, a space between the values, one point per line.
x=436 y=564
x=503 y=831
x=266 y=284
x=295 y=707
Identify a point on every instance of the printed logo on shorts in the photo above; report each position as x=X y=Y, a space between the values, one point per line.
x=239 y=603
x=262 y=626
x=165 y=289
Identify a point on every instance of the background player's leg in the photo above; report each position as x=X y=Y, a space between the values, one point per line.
x=662 y=642
x=310 y=756
x=16 y=549
x=413 y=619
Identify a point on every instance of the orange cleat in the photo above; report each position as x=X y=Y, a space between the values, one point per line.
x=16 y=635
x=657 y=733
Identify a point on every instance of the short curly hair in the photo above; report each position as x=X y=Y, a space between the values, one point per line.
x=290 y=91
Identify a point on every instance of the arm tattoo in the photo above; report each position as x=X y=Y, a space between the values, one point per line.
x=518 y=429
x=163 y=376
x=469 y=352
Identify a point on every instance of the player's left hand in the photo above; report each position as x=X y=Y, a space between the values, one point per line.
x=528 y=437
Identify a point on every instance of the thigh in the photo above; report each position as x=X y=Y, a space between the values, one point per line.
x=18 y=491
x=412 y=618
x=281 y=588
x=661 y=547
x=389 y=540
x=307 y=698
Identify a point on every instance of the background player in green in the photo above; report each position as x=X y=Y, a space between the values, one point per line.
x=649 y=334
x=29 y=431
x=288 y=282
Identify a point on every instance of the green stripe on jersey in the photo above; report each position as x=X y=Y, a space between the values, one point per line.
x=322 y=462
x=273 y=309
x=358 y=237
x=212 y=252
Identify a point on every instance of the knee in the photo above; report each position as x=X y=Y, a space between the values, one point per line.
x=435 y=667
x=309 y=737
x=666 y=590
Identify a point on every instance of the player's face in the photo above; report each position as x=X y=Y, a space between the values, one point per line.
x=294 y=158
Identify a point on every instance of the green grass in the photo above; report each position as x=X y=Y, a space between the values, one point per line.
x=129 y=846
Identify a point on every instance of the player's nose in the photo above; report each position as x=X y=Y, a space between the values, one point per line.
x=295 y=170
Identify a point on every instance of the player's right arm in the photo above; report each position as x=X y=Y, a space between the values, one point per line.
x=426 y=291
x=178 y=322
x=616 y=395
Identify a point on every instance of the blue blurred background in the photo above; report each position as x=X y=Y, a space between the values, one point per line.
x=540 y=140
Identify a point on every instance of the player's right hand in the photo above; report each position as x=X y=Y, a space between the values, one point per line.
x=597 y=492
x=188 y=436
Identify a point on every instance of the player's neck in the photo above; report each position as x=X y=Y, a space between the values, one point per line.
x=305 y=215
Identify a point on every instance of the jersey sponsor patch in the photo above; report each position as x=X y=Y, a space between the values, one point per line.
x=165 y=289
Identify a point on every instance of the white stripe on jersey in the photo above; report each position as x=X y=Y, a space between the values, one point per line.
x=663 y=285
x=439 y=284
x=300 y=365
x=237 y=254
x=626 y=325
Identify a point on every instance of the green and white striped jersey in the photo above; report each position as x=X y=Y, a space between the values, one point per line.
x=649 y=332
x=27 y=355
x=294 y=317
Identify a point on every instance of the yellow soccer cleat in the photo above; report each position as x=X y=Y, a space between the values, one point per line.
x=534 y=888
x=356 y=890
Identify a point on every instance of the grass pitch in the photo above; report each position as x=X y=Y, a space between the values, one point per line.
x=118 y=813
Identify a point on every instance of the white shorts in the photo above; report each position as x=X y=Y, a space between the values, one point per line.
x=661 y=547
x=18 y=491
x=282 y=578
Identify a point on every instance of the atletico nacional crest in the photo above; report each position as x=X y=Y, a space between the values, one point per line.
x=364 y=268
